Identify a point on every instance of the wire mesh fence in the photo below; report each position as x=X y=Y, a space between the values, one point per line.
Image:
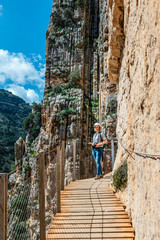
x=23 y=209
x=29 y=213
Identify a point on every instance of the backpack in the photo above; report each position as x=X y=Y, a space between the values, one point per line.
x=104 y=145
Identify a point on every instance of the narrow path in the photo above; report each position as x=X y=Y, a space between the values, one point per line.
x=90 y=210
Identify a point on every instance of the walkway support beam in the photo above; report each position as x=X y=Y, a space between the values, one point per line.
x=58 y=178
x=112 y=147
x=3 y=205
x=74 y=159
x=62 y=164
x=42 y=196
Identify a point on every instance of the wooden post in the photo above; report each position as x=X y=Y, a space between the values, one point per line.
x=100 y=104
x=62 y=164
x=58 y=181
x=74 y=160
x=112 y=147
x=42 y=196
x=3 y=205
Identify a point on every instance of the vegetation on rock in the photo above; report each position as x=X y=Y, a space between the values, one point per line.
x=74 y=79
x=63 y=17
x=73 y=82
x=120 y=177
x=112 y=107
x=12 y=112
x=32 y=123
x=79 y=3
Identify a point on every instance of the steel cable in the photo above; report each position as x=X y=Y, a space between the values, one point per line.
x=139 y=154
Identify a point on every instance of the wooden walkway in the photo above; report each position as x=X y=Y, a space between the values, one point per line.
x=90 y=210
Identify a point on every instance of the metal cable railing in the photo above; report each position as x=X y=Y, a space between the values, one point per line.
x=144 y=155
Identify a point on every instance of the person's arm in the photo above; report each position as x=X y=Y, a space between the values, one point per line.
x=100 y=144
x=103 y=142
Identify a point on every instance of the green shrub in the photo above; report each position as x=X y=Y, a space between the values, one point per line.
x=32 y=123
x=79 y=3
x=120 y=177
x=26 y=167
x=57 y=18
x=68 y=13
x=63 y=17
x=74 y=78
x=95 y=104
x=13 y=166
x=112 y=107
x=65 y=113
x=57 y=89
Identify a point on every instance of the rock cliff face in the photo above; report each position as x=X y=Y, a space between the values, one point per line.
x=71 y=38
x=77 y=40
x=138 y=124
x=77 y=87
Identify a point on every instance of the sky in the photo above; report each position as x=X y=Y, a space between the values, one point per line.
x=23 y=25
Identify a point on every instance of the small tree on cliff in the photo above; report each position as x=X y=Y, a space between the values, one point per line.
x=32 y=123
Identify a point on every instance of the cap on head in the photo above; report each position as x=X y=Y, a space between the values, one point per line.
x=98 y=124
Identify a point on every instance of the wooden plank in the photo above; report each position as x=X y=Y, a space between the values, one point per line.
x=62 y=165
x=48 y=238
x=106 y=217
x=66 y=200
x=78 y=205
x=93 y=221
x=90 y=209
x=90 y=213
x=82 y=224
x=3 y=205
x=42 y=196
x=84 y=238
x=93 y=235
x=88 y=229
x=58 y=180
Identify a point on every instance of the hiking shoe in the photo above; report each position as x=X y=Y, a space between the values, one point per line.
x=101 y=176
x=97 y=177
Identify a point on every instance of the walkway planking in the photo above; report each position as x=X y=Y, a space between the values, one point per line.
x=90 y=210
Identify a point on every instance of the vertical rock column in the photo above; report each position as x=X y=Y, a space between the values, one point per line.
x=90 y=33
x=19 y=149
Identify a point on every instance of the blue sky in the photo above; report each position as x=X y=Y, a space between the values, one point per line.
x=23 y=25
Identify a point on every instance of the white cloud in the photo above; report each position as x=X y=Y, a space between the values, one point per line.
x=19 y=69
x=36 y=57
x=29 y=95
x=1 y=7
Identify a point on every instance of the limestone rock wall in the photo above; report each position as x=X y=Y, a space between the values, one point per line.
x=138 y=124
x=106 y=88
x=64 y=48
x=115 y=38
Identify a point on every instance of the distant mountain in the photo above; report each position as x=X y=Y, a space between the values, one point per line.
x=13 y=110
